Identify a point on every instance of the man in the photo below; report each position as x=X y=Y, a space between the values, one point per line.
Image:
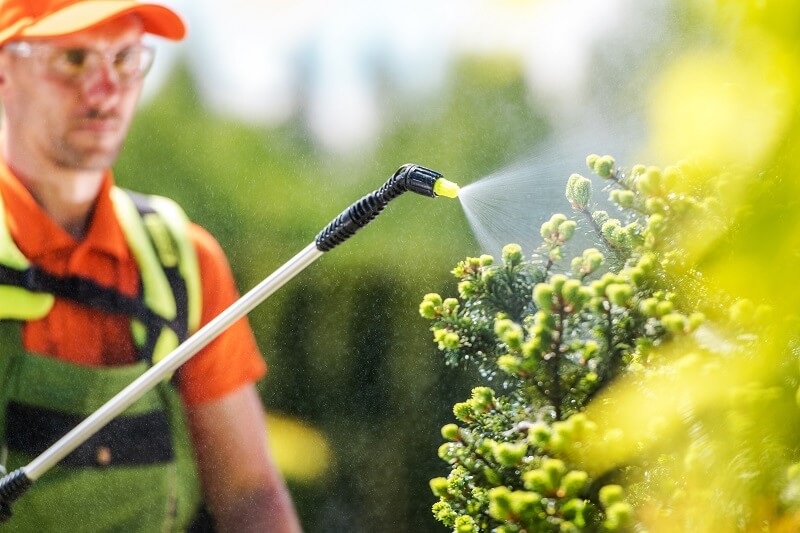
x=98 y=283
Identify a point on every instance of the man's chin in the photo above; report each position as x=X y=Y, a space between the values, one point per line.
x=99 y=156
x=89 y=161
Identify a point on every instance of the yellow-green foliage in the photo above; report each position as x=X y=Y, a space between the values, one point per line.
x=701 y=427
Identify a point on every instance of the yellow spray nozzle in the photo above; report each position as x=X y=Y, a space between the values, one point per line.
x=447 y=188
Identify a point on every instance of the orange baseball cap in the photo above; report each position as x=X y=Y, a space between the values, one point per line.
x=55 y=18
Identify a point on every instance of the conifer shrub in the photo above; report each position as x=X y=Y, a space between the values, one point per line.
x=619 y=388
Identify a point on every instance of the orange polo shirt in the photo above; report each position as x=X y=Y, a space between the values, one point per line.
x=85 y=336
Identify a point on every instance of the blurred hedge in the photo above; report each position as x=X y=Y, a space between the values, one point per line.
x=347 y=350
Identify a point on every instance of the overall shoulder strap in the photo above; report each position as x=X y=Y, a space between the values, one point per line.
x=17 y=300
x=156 y=230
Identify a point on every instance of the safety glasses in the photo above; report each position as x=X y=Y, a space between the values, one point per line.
x=74 y=65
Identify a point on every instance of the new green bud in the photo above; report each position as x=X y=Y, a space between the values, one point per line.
x=619 y=293
x=590 y=349
x=510 y=454
x=543 y=295
x=577 y=265
x=444 y=513
x=513 y=337
x=555 y=469
x=463 y=411
x=486 y=260
x=623 y=198
x=450 y=306
x=451 y=341
x=567 y=229
x=649 y=182
x=500 y=503
x=450 y=432
x=571 y=291
x=539 y=433
x=637 y=170
x=427 y=309
x=636 y=275
x=655 y=205
x=618 y=516
x=482 y=398
x=604 y=166
x=466 y=289
x=581 y=425
x=579 y=191
x=647 y=263
x=509 y=364
x=591 y=161
x=492 y=477
x=503 y=326
x=547 y=230
x=439 y=486
x=569 y=527
x=447 y=451
x=664 y=308
x=648 y=307
x=537 y=480
x=574 y=482
x=610 y=494
x=695 y=320
x=433 y=297
x=574 y=510
x=524 y=503
x=612 y=230
x=557 y=219
x=512 y=254
x=656 y=223
x=594 y=258
x=600 y=217
x=675 y=323
x=485 y=446
x=465 y=524
x=558 y=281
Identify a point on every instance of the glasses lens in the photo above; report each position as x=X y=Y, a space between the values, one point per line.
x=71 y=61
x=133 y=62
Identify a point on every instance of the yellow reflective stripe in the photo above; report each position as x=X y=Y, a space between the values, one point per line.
x=139 y=332
x=178 y=223
x=17 y=303
x=162 y=240
x=157 y=292
x=10 y=255
x=167 y=341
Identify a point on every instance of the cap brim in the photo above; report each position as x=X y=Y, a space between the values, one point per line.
x=158 y=20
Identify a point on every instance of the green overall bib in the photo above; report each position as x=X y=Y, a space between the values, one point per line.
x=137 y=473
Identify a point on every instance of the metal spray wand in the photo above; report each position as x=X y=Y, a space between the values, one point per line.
x=409 y=177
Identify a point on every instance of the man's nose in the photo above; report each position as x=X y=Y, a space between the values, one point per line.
x=102 y=80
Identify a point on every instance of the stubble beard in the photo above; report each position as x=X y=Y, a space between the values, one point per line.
x=71 y=155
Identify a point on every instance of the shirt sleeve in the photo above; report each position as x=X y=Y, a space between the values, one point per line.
x=233 y=358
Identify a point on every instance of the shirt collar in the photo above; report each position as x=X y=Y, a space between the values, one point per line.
x=36 y=234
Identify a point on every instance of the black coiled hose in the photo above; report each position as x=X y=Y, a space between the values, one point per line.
x=409 y=177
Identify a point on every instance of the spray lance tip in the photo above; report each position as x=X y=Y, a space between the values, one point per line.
x=409 y=177
x=446 y=188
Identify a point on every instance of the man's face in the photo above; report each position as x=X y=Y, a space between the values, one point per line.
x=78 y=122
